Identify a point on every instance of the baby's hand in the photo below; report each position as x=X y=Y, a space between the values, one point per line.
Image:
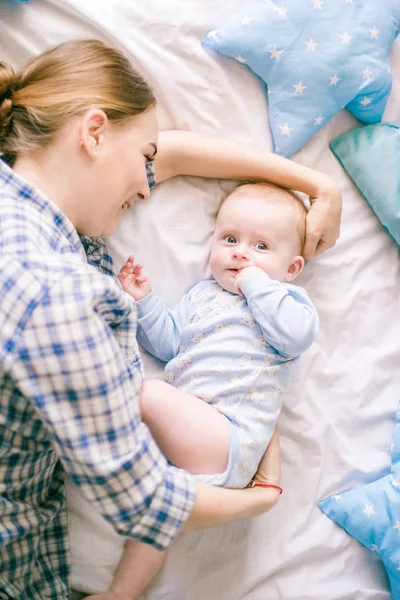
x=133 y=281
x=243 y=275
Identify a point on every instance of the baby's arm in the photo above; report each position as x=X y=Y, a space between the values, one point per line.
x=159 y=329
x=285 y=313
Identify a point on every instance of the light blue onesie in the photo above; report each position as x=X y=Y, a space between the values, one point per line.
x=235 y=353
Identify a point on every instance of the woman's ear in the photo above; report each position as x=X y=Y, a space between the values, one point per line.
x=93 y=126
x=295 y=268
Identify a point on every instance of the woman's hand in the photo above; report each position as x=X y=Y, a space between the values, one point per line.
x=133 y=281
x=323 y=219
x=269 y=469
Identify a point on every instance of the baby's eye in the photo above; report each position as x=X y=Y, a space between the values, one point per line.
x=261 y=246
x=230 y=239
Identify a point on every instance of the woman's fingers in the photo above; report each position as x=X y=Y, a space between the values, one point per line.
x=323 y=222
x=269 y=469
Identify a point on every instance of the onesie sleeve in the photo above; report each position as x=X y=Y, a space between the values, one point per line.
x=159 y=328
x=285 y=313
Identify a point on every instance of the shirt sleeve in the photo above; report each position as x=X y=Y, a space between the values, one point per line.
x=151 y=174
x=160 y=329
x=69 y=364
x=285 y=313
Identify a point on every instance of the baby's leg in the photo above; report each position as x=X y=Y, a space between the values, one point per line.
x=192 y=435
x=190 y=432
x=139 y=564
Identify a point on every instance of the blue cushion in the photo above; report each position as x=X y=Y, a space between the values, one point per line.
x=316 y=56
x=371 y=514
x=371 y=156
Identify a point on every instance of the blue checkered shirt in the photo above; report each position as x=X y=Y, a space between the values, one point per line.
x=70 y=377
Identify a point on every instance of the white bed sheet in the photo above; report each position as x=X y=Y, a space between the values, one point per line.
x=338 y=417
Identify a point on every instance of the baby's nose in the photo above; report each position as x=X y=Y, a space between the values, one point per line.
x=241 y=252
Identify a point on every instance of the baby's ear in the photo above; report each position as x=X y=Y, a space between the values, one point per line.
x=295 y=268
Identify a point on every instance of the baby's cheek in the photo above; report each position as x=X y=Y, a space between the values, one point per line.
x=216 y=258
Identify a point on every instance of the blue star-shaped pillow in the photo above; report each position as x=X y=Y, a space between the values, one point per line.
x=371 y=514
x=316 y=56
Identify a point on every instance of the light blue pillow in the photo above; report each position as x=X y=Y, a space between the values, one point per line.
x=316 y=56
x=371 y=514
x=371 y=156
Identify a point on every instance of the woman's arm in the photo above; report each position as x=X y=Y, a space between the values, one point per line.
x=215 y=506
x=187 y=153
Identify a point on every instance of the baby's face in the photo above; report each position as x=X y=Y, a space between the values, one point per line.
x=251 y=232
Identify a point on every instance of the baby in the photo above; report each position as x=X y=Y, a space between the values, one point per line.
x=229 y=345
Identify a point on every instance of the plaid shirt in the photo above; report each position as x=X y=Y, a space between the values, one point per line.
x=70 y=376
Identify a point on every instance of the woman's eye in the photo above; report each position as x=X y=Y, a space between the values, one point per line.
x=261 y=246
x=230 y=239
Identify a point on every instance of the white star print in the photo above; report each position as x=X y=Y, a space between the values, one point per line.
x=374 y=32
x=299 y=87
x=318 y=120
x=369 y=510
x=374 y=548
x=275 y=53
x=212 y=34
x=337 y=497
x=311 y=45
x=285 y=129
x=317 y=4
x=247 y=20
x=394 y=481
x=334 y=79
x=345 y=38
x=365 y=101
x=241 y=59
x=398 y=568
x=397 y=526
x=281 y=11
x=367 y=74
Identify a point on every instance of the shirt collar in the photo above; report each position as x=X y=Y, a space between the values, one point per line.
x=13 y=184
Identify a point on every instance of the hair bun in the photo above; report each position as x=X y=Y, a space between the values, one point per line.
x=7 y=79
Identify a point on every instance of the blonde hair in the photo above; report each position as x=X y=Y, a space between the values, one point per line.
x=64 y=82
x=274 y=193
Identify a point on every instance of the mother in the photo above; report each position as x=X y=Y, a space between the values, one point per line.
x=78 y=136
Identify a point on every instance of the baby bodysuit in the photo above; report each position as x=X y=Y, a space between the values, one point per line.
x=234 y=352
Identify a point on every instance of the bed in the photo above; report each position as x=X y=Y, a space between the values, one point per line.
x=340 y=408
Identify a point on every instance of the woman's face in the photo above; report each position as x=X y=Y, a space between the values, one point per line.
x=117 y=175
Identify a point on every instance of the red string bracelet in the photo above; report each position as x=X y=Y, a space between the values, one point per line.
x=267 y=485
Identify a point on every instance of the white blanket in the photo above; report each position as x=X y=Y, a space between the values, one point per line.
x=338 y=417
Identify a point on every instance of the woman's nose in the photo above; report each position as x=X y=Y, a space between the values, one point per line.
x=144 y=192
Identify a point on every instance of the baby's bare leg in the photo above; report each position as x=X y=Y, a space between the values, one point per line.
x=192 y=435
x=190 y=432
x=139 y=564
